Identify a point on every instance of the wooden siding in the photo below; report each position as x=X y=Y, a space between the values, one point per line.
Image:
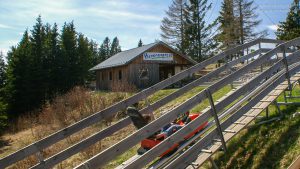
x=153 y=74
x=103 y=81
x=131 y=72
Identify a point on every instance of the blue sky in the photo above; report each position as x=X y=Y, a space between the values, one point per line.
x=129 y=20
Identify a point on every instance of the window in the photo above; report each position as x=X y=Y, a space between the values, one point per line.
x=120 y=74
x=110 y=75
x=102 y=74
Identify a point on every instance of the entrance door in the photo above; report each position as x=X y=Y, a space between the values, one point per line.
x=166 y=71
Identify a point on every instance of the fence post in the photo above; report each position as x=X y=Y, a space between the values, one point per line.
x=247 y=54
x=277 y=107
x=214 y=165
x=287 y=74
x=40 y=157
x=215 y=115
x=261 y=66
x=267 y=112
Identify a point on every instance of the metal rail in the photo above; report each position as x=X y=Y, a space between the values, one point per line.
x=119 y=148
x=150 y=155
x=125 y=122
x=42 y=144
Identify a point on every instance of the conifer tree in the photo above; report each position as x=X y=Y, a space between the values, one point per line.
x=85 y=58
x=70 y=55
x=247 y=21
x=45 y=64
x=56 y=73
x=140 y=44
x=38 y=72
x=105 y=49
x=290 y=28
x=200 y=33
x=3 y=104
x=2 y=70
x=18 y=88
x=174 y=26
x=115 y=47
x=228 y=35
x=93 y=46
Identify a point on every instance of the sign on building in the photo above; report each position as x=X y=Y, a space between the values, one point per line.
x=151 y=56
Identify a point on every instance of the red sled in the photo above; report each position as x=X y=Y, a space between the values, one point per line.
x=159 y=136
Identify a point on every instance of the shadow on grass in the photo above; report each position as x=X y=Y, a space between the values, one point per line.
x=262 y=146
x=3 y=143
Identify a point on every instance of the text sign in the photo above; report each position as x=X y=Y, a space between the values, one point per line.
x=151 y=56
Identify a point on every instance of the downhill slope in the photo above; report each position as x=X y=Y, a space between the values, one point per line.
x=271 y=145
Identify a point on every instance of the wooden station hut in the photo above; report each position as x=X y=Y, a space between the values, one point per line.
x=142 y=67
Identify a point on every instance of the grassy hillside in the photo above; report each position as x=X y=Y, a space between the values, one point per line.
x=272 y=145
x=80 y=103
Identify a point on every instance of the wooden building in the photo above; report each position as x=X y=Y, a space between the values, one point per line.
x=141 y=67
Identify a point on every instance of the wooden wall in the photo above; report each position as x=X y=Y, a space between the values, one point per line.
x=103 y=81
x=153 y=74
x=131 y=72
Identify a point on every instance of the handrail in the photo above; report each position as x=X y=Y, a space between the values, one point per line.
x=249 y=86
x=110 y=111
x=64 y=154
x=187 y=157
x=146 y=131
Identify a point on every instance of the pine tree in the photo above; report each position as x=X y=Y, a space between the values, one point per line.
x=3 y=104
x=2 y=70
x=290 y=28
x=247 y=21
x=70 y=55
x=85 y=58
x=55 y=70
x=93 y=46
x=115 y=47
x=174 y=26
x=228 y=35
x=140 y=44
x=104 y=50
x=38 y=77
x=200 y=33
x=18 y=89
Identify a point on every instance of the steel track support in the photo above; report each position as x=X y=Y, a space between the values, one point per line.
x=261 y=66
x=287 y=75
x=278 y=108
x=215 y=115
x=285 y=97
x=214 y=165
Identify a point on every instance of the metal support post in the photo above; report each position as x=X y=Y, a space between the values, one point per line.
x=287 y=75
x=261 y=66
x=40 y=157
x=231 y=84
x=215 y=115
x=285 y=98
x=214 y=165
x=267 y=112
x=247 y=54
x=278 y=108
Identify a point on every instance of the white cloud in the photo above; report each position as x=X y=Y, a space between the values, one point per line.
x=273 y=27
x=5 y=26
x=96 y=19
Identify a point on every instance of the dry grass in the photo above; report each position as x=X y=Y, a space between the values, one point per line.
x=123 y=86
x=63 y=111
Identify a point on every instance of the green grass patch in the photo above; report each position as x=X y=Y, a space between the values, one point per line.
x=271 y=145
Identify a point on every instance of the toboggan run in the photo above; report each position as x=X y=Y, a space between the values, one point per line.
x=246 y=102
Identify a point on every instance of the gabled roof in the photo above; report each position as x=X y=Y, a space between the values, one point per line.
x=125 y=57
